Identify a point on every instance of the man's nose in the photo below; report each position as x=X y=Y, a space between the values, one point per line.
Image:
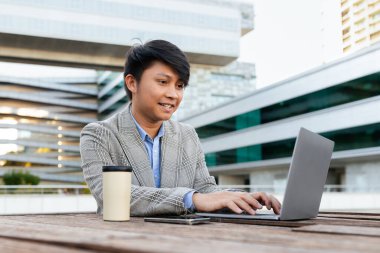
x=172 y=92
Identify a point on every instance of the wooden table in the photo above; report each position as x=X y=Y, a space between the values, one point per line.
x=330 y=232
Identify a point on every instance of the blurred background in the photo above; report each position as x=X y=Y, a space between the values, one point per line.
x=260 y=70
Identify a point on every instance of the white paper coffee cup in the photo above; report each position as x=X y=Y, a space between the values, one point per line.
x=117 y=193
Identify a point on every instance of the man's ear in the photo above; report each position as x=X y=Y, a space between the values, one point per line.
x=131 y=83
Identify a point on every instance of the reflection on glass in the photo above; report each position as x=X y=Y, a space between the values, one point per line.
x=351 y=91
x=5 y=110
x=7 y=134
x=31 y=112
x=347 y=139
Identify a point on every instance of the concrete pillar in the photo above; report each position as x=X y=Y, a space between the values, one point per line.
x=268 y=181
x=363 y=177
x=230 y=180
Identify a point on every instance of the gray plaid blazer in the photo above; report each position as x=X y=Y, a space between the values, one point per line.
x=116 y=141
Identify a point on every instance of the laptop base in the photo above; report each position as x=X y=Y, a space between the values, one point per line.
x=241 y=216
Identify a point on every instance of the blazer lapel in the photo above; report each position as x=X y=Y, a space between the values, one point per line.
x=170 y=156
x=134 y=149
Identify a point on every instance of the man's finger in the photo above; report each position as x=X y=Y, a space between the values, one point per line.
x=276 y=205
x=231 y=205
x=252 y=201
x=263 y=198
x=245 y=205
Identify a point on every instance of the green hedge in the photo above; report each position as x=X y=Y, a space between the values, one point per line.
x=20 y=178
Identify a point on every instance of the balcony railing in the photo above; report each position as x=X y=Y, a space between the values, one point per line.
x=44 y=189
x=281 y=189
x=83 y=189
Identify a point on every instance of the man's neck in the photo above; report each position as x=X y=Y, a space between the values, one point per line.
x=151 y=128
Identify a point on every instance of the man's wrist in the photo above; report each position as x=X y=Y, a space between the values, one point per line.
x=188 y=200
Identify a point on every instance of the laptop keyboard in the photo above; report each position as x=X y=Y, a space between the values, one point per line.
x=258 y=212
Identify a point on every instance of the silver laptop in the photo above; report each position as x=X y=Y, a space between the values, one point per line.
x=306 y=179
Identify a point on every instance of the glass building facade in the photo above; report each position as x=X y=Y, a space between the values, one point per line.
x=227 y=83
x=40 y=124
x=252 y=137
x=96 y=34
x=41 y=118
x=350 y=91
x=351 y=138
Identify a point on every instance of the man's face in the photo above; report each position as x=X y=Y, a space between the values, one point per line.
x=158 y=94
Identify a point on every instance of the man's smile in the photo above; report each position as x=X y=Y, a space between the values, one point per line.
x=166 y=105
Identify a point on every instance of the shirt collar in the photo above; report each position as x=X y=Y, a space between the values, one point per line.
x=142 y=132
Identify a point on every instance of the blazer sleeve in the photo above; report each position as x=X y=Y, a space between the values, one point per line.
x=96 y=151
x=204 y=183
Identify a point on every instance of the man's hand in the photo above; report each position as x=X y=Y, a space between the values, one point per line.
x=236 y=201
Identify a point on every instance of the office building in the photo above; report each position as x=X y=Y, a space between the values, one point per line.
x=208 y=86
x=41 y=118
x=211 y=86
x=40 y=124
x=360 y=23
x=250 y=139
x=96 y=34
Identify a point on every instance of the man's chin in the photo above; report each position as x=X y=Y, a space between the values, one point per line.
x=166 y=117
x=162 y=116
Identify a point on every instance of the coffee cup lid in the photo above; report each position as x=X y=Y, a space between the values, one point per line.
x=112 y=168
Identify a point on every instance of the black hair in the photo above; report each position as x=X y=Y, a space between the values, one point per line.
x=142 y=56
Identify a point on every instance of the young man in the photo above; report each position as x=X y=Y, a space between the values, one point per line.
x=169 y=171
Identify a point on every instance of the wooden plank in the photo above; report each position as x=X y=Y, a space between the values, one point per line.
x=19 y=246
x=350 y=216
x=351 y=213
x=345 y=230
x=91 y=232
x=346 y=222
x=288 y=224
x=47 y=218
x=115 y=241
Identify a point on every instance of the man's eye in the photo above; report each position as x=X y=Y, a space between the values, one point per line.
x=180 y=86
x=163 y=82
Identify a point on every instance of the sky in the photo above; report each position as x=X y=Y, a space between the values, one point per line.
x=290 y=37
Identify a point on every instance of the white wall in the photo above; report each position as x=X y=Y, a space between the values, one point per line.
x=25 y=204
x=359 y=202
x=29 y=204
x=363 y=175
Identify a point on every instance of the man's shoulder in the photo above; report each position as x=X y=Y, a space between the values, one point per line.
x=181 y=127
x=186 y=132
x=106 y=124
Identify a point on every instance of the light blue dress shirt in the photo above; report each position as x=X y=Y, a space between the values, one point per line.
x=153 y=147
